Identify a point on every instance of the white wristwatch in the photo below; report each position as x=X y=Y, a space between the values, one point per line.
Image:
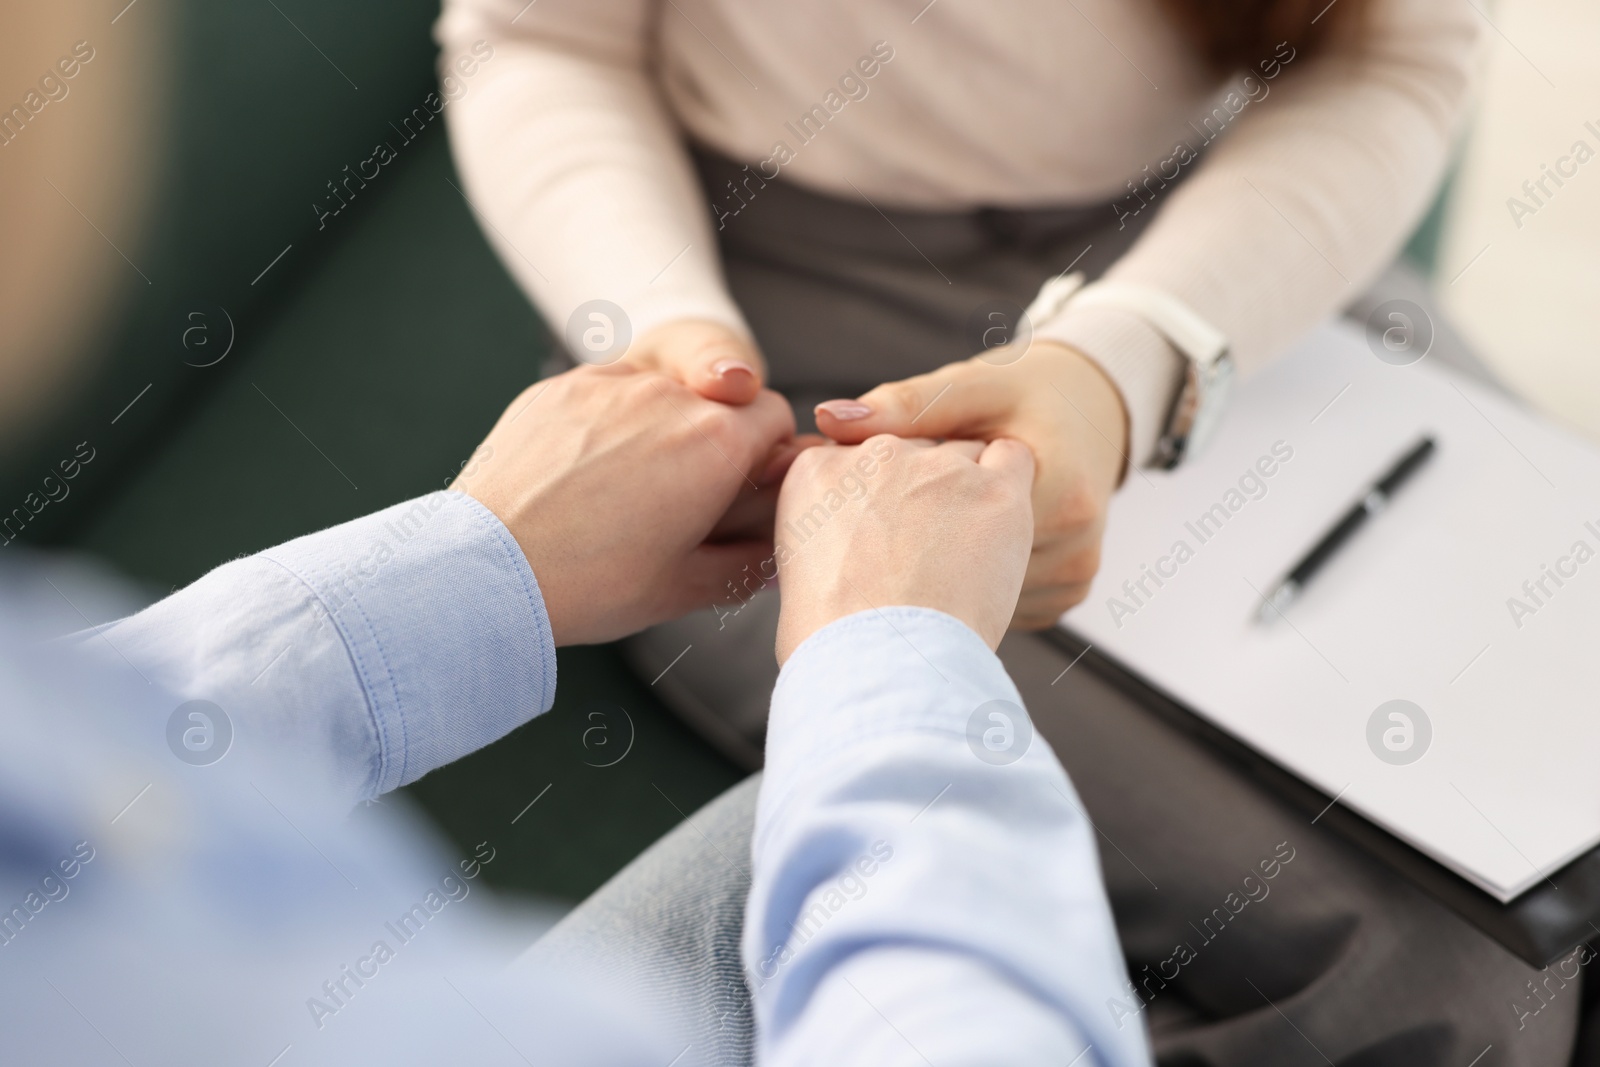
x=1208 y=373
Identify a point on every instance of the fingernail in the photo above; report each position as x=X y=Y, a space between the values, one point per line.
x=844 y=410
x=728 y=368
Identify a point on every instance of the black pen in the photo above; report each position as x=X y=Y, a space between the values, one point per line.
x=1374 y=501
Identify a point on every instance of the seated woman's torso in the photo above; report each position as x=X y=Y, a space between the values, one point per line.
x=1007 y=103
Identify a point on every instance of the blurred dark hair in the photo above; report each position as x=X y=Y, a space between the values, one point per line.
x=1238 y=34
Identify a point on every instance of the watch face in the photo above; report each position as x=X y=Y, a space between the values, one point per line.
x=1196 y=411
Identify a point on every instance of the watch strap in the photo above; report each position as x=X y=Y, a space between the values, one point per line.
x=1208 y=369
x=1197 y=339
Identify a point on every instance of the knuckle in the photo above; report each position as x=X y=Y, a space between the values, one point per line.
x=1079 y=569
x=1050 y=604
x=645 y=384
x=903 y=397
x=716 y=421
x=883 y=445
x=1000 y=492
x=808 y=464
x=935 y=470
x=1071 y=596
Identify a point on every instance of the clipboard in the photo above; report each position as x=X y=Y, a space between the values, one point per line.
x=1448 y=602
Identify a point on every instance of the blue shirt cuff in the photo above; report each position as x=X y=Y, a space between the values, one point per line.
x=443 y=621
x=871 y=675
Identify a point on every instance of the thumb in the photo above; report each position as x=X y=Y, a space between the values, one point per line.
x=953 y=401
x=711 y=359
x=1012 y=459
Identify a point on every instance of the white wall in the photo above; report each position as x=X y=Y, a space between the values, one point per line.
x=1530 y=302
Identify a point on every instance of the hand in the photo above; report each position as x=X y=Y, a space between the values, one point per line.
x=613 y=479
x=1055 y=400
x=934 y=526
x=709 y=358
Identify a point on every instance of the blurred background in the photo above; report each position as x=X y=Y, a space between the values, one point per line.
x=286 y=348
x=1524 y=297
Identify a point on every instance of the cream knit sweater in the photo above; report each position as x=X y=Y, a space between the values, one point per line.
x=570 y=139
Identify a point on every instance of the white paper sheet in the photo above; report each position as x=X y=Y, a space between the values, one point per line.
x=1417 y=607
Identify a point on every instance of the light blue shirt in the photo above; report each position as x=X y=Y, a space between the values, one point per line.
x=926 y=887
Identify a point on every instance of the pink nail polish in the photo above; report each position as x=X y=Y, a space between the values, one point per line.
x=844 y=410
x=724 y=368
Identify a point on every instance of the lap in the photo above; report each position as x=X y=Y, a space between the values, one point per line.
x=1333 y=955
x=843 y=295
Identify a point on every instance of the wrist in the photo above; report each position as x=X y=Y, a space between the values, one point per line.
x=662 y=305
x=1093 y=393
x=1133 y=357
x=803 y=614
x=705 y=331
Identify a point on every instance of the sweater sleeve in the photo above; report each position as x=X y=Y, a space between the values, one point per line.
x=574 y=166
x=1300 y=201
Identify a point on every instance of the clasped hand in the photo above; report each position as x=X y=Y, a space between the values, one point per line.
x=636 y=500
x=1050 y=397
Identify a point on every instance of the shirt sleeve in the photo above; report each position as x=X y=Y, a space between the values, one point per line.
x=371 y=652
x=1310 y=182
x=574 y=165
x=925 y=883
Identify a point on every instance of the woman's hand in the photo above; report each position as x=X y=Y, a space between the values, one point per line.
x=896 y=523
x=708 y=357
x=1054 y=400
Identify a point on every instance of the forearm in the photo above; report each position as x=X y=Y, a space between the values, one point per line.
x=580 y=175
x=1290 y=197
x=369 y=653
x=903 y=883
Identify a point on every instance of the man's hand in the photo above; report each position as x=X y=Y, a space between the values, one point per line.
x=1057 y=402
x=934 y=526
x=612 y=479
x=708 y=357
